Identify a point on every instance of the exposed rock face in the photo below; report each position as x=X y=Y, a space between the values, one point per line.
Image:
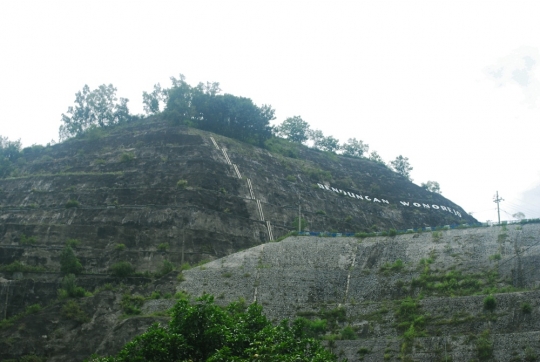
x=151 y=192
x=315 y=277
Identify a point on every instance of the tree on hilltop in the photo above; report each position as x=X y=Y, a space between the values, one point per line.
x=375 y=157
x=402 y=166
x=354 y=148
x=432 y=186
x=97 y=108
x=204 y=108
x=295 y=129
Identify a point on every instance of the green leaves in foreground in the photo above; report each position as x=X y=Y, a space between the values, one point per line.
x=206 y=332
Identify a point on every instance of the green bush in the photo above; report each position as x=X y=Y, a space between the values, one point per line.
x=127 y=157
x=119 y=247
x=526 y=308
x=70 y=288
x=530 y=355
x=204 y=331
x=348 y=333
x=72 y=203
x=17 y=266
x=72 y=242
x=392 y=232
x=69 y=264
x=122 y=269
x=163 y=247
x=166 y=268
x=24 y=240
x=490 y=303
x=131 y=304
x=484 y=346
x=181 y=184
x=495 y=257
x=72 y=310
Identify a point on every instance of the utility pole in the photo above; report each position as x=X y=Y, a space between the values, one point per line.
x=497 y=200
x=299 y=217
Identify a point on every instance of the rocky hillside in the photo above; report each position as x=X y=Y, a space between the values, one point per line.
x=158 y=196
x=460 y=295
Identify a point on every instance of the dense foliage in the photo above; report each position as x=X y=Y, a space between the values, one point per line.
x=206 y=332
x=96 y=108
x=204 y=108
x=9 y=152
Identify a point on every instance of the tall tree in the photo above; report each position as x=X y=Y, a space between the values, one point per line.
x=294 y=129
x=328 y=144
x=98 y=108
x=432 y=186
x=355 y=148
x=402 y=166
x=9 y=152
x=152 y=101
x=203 y=107
x=375 y=157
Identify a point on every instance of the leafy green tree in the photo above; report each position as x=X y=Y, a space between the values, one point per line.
x=316 y=136
x=294 y=129
x=432 y=186
x=9 y=152
x=519 y=215
x=402 y=166
x=152 y=101
x=329 y=144
x=354 y=148
x=98 y=108
x=375 y=157
x=204 y=108
x=206 y=332
x=69 y=263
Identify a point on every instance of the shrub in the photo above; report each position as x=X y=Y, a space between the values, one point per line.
x=163 y=246
x=72 y=203
x=69 y=264
x=348 y=333
x=127 y=157
x=17 y=266
x=363 y=351
x=24 y=240
x=484 y=346
x=70 y=288
x=119 y=247
x=490 y=303
x=72 y=242
x=72 y=310
x=392 y=232
x=122 y=269
x=526 y=308
x=166 y=268
x=495 y=257
x=181 y=184
x=530 y=355
x=131 y=304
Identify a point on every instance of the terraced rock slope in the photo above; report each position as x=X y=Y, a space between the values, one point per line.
x=151 y=193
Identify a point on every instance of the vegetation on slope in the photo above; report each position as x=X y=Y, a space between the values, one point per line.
x=204 y=331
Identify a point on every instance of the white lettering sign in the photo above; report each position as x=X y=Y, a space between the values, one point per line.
x=384 y=201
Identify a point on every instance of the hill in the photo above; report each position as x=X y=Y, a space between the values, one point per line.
x=157 y=195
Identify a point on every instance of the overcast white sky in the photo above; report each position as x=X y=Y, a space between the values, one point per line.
x=452 y=85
